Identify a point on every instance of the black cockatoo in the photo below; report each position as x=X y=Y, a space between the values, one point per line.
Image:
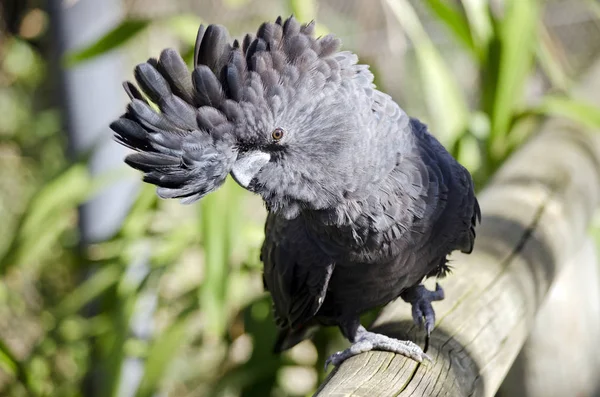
x=363 y=202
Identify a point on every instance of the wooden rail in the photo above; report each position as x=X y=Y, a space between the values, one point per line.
x=536 y=212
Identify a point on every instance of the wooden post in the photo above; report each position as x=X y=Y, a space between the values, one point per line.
x=536 y=212
x=560 y=356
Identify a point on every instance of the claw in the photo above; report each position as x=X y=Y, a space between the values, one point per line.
x=368 y=341
x=333 y=359
x=438 y=294
x=417 y=315
x=420 y=298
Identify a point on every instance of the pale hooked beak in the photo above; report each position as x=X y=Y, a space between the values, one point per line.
x=247 y=166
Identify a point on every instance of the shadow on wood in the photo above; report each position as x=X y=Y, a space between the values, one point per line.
x=560 y=355
x=535 y=217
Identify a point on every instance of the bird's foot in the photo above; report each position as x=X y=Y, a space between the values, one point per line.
x=367 y=341
x=420 y=298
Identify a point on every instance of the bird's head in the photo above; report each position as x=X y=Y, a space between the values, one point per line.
x=281 y=111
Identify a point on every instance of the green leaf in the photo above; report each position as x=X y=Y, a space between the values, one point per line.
x=47 y=216
x=160 y=355
x=263 y=364
x=122 y=303
x=214 y=217
x=577 y=110
x=11 y=365
x=141 y=213
x=174 y=244
x=65 y=191
x=455 y=21
x=303 y=10
x=445 y=101
x=306 y=11
x=480 y=22
x=549 y=58
x=50 y=212
x=90 y=289
x=517 y=35
x=8 y=361
x=115 y=38
x=185 y=26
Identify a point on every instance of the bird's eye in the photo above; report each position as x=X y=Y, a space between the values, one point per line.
x=277 y=134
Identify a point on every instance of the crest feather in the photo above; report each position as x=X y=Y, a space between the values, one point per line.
x=186 y=147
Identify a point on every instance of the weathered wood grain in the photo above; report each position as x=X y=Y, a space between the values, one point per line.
x=535 y=215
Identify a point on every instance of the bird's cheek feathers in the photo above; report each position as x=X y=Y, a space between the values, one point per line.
x=247 y=166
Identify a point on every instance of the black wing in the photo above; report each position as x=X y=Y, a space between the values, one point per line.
x=296 y=271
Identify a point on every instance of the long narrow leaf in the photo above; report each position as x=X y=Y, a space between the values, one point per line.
x=115 y=38
x=455 y=21
x=46 y=216
x=11 y=365
x=551 y=60
x=445 y=101
x=8 y=361
x=480 y=22
x=214 y=217
x=65 y=191
x=50 y=212
x=141 y=213
x=90 y=289
x=577 y=110
x=517 y=38
x=160 y=356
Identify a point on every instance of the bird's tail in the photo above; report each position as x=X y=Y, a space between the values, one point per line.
x=290 y=337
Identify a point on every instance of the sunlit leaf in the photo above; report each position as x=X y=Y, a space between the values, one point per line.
x=551 y=60
x=11 y=365
x=120 y=307
x=477 y=12
x=445 y=101
x=455 y=21
x=50 y=212
x=517 y=37
x=303 y=10
x=8 y=362
x=113 y=39
x=215 y=212
x=160 y=356
x=46 y=216
x=580 y=111
x=306 y=11
x=140 y=213
x=185 y=26
x=172 y=245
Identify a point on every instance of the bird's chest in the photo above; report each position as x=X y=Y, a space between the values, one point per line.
x=375 y=260
x=356 y=287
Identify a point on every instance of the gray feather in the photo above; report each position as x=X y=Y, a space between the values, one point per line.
x=175 y=71
x=363 y=201
x=208 y=91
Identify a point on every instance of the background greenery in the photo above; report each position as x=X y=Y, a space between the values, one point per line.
x=175 y=296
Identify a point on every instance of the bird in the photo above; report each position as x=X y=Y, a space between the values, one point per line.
x=363 y=202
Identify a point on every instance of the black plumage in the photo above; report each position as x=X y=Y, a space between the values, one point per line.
x=363 y=201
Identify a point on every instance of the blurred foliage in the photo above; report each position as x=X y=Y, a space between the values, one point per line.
x=173 y=301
